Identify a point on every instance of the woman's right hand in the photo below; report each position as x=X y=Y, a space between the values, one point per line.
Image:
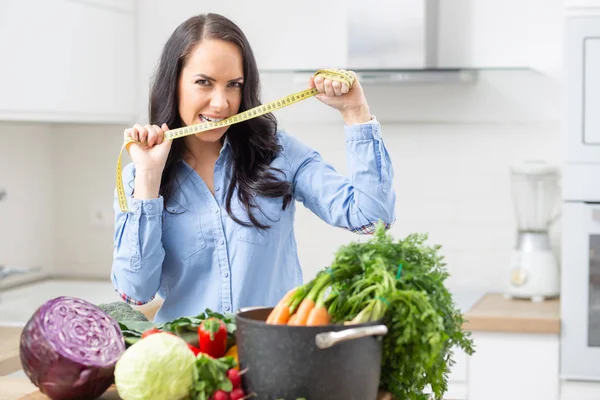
x=151 y=152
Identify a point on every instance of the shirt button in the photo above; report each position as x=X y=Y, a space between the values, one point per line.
x=219 y=162
x=137 y=206
x=217 y=189
x=227 y=307
x=221 y=242
x=149 y=206
x=225 y=274
x=216 y=210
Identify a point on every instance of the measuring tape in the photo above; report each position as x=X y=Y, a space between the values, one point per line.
x=339 y=75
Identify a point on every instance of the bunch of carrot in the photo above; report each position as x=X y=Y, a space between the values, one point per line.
x=304 y=305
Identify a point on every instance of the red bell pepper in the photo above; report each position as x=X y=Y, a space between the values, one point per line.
x=212 y=336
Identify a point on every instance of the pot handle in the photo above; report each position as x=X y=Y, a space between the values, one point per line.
x=329 y=339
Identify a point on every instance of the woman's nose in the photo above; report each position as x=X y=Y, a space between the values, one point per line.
x=219 y=100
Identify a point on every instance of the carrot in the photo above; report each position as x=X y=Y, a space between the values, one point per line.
x=303 y=311
x=318 y=316
x=282 y=316
x=277 y=308
x=293 y=319
x=316 y=294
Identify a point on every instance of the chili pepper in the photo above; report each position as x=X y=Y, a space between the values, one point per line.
x=212 y=336
x=194 y=349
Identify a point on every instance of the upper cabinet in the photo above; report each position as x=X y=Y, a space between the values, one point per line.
x=583 y=7
x=68 y=60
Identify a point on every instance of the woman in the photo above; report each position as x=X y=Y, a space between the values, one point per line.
x=211 y=215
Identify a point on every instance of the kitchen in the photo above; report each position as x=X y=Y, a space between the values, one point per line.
x=497 y=84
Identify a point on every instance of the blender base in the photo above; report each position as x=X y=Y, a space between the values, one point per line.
x=534 y=270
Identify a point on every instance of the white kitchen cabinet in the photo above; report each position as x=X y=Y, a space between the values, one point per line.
x=516 y=366
x=501 y=34
x=67 y=61
x=591 y=99
x=582 y=5
x=310 y=35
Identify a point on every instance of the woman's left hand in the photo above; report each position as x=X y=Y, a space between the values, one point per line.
x=350 y=102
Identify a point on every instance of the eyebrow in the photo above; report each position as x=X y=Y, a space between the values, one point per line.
x=213 y=79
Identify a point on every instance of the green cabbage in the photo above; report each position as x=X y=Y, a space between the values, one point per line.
x=158 y=367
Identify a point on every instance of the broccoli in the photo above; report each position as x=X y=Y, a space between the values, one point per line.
x=122 y=311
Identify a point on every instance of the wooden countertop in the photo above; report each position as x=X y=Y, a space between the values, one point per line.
x=9 y=349
x=498 y=314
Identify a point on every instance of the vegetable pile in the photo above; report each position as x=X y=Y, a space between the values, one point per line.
x=400 y=283
x=69 y=349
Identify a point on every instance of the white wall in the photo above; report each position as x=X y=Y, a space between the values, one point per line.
x=27 y=214
x=451 y=147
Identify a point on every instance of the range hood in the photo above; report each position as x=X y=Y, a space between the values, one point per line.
x=391 y=35
x=395 y=41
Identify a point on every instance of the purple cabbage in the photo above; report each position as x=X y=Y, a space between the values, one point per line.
x=69 y=348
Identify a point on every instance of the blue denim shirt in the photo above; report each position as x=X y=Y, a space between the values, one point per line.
x=196 y=257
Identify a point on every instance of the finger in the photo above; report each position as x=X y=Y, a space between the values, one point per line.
x=152 y=135
x=328 y=88
x=142 y=133
x=311 y=82
x=319 y=84
x=345 y=88
x=127 y=133
x=160 y=134
x=337 y=88
x=135 y=135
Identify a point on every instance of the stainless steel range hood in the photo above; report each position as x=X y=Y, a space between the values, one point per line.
x=395 y=41
x=384 y=34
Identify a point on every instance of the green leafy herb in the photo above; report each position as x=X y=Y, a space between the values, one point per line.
x=402 y=283
x=210 y=375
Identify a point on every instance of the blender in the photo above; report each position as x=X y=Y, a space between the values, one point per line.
x=534 y=270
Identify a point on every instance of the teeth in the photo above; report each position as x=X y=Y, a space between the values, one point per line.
x=210 y=119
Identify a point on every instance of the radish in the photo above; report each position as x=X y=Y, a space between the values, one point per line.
x=237 y=394
x=221 y=395
x=235 y=378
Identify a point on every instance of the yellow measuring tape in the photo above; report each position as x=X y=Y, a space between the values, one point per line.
x=339 y=75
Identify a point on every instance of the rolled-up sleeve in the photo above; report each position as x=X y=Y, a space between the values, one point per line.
x=138 y=253
x=356 y=202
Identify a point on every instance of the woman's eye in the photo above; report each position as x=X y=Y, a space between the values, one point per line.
x=237 y=84
x=202 y=82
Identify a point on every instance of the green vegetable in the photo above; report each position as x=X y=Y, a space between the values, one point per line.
x=184 y=327
x=160 y=367
x=211 y=375
x=122 y=311
x=402 y=283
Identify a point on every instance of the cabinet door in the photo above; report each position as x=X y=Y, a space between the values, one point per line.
x=591 y=89
x=66 y=61
x=309 y=35
x=580 y=292
x=582 y=60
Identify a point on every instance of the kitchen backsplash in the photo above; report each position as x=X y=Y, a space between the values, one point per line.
x=451 y=148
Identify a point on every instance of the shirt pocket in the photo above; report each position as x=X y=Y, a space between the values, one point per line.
x=182 y=231
x=270 y=213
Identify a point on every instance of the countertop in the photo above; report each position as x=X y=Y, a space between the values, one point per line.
x=493 y=312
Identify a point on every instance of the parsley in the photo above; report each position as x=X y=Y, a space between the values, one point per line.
x=402 y=283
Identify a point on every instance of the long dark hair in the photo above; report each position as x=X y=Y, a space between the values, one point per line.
x=253 y=143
